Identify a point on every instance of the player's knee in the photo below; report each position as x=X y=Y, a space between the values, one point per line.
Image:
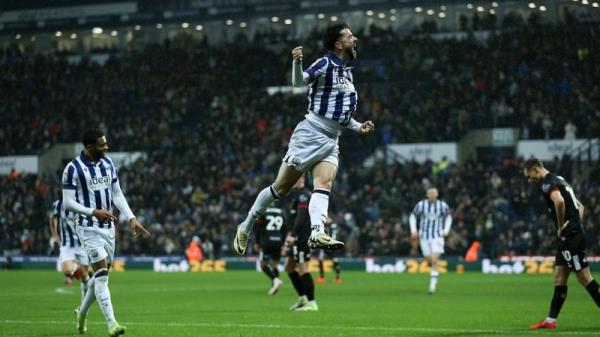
x=584 y=278
x=100 y=280
x=323 y=183
x=281 y=189
x=560 y=281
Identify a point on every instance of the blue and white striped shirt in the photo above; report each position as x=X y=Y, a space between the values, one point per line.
x=93 y=185
x=68 y=235
x=431 y=216
x=331 y=89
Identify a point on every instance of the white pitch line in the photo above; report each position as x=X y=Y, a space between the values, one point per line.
x=297 y=326
x=63 y=291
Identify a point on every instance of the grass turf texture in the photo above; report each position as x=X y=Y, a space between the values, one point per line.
x=235 y=303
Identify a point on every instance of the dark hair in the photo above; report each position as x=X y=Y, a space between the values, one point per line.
x=332 y=34
x=533 y=162
x=90 y=136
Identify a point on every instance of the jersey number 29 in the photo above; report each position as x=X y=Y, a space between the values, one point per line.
x=275 y=222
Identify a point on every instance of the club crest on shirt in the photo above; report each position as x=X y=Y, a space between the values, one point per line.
x=545 y=188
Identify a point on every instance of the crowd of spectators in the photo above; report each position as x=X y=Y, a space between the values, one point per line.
x=213 y=136
x=536 y=78
x=491 y=203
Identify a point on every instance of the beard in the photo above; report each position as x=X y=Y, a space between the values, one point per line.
x=350 y=52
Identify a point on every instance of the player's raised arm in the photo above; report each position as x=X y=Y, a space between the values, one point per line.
x=303 y=77
x=297 y=73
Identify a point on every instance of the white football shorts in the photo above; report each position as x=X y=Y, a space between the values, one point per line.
x=76 y=253
x=99 y=243
x=432 y=246
x=309 y=145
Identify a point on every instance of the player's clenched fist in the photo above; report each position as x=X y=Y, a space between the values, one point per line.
x=297 y=54
x=367 y=127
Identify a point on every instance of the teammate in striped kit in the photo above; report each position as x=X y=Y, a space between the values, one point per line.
x=434 y=225
x=73 y=259
x=90 y=187
x=314 y=144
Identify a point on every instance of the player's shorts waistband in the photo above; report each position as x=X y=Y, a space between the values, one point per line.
x=90 y=223
x=319 y=128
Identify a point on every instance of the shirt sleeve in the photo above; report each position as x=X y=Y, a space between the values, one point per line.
x=72 y=205
x=417 y=210
x=113 y=170
x=69 y=178
x=549 y=187
x=120 y=201
x=445 y=209
x=315 y=70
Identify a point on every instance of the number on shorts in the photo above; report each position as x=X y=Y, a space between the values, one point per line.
x=566 y=254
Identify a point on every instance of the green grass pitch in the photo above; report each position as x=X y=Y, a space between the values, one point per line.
x=235 y=303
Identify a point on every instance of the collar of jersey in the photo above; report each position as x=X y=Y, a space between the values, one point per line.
x=336 y=60
x=86 y=161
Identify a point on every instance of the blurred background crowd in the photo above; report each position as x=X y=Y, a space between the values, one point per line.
x=213 y=136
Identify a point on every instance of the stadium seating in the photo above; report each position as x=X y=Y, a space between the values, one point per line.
x=212 y=143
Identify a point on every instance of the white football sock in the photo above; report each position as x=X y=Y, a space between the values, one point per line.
x=263 y=200
x=103 y=296
x=89 y=298
x=434 y=278
x=84 y=287
x=317 y=209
